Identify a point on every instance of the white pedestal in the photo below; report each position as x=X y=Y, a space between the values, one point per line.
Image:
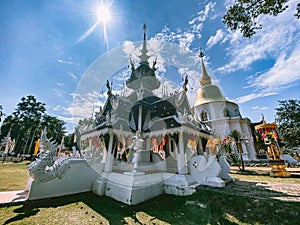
x=130 y=187
x=134 y=173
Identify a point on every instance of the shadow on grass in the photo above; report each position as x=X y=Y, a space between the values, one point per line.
x=24 y=212
x=239 y=202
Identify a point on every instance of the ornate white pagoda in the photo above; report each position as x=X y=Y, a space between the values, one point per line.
x=142 y=145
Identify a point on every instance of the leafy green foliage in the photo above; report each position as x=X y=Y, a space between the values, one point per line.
x=26 y=123
x=297 y=14
x=1 y=112
x=243 y=15
x=55 y=127
x=232 y=158
x=69 y=141
x=289 y=122
x=235 y=135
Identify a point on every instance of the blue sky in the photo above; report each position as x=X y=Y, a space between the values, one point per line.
x=47 y=49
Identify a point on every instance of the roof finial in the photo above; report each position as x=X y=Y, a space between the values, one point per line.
x=109 y=86
x=144 y=57
x=144 y=27
x=201 y=54
x=263 y=119
x=184 y=83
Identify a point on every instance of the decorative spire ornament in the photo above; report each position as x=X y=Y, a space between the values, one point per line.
x=205 y=79
x=144 y=57
x=201 y=54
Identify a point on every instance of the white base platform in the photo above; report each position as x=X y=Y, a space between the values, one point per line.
x=128 y=186
x=132 y=189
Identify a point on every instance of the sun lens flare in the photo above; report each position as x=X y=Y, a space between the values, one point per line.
x=103 y=13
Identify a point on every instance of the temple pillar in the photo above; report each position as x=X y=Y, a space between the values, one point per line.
x=110 y=156
x=145 y=155
x=181 y=164
x=200 y=149
x=245 y=152
x=140 y=116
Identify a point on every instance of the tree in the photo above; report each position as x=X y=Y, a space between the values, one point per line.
x=27 y=122
x=288 y=115
x=69 y=141
x=243 y=14
x=28 y=115
x=55 y=127
x=1 y=113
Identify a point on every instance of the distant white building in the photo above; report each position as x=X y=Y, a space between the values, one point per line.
x=223 y=116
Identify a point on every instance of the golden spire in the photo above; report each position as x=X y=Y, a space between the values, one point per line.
x=205 y=79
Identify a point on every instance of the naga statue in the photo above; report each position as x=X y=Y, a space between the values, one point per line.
x=47 y=167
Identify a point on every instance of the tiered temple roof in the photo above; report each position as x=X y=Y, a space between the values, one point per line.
x=144 y=111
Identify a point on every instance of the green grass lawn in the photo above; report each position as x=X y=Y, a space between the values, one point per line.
x=206 y=206
x=13 y=176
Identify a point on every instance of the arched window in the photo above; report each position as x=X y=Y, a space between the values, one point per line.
x=237 y=112
x=203 y=116
x=226 y=113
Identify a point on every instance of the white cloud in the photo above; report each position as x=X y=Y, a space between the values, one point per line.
x=83 y=105
x=56 y=108
x=253 y=96
x=229 y=3
x=285 y=72
x=60 y=84
x=277 y=36
x=72 y=75
x=57 y=92
x=185 y=38
x=130 y=50
x=69 y=62
x=203 y=14
x=259 y=108
x=215 y=39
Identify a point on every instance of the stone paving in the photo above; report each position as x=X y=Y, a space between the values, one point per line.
x=261 y=189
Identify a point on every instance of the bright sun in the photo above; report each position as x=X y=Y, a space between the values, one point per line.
x=103 y=13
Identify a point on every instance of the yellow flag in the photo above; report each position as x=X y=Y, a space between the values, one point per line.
x=75 y=139
x=36 y=149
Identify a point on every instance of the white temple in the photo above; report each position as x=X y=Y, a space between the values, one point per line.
x=224 y=116
x=141 y=146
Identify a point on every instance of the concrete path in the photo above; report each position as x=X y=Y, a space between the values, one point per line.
x=294 y=171
x=13 y=196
